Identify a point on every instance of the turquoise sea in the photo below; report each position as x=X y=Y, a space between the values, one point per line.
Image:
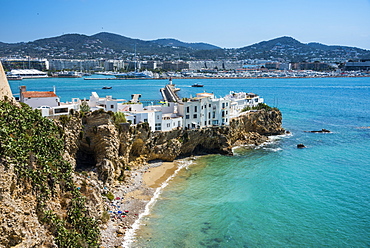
x=273 y=195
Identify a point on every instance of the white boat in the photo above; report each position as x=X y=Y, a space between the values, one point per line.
x=134 y=74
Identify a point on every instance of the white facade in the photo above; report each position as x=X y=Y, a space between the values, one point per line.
x=241 y=100
x=205 y=110
x=107 y=103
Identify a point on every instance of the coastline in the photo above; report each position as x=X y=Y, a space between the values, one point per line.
x=133 y=200
x=167 y=78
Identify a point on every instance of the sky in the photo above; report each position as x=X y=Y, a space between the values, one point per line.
x=224 y=23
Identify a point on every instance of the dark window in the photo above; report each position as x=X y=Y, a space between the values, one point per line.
x=195 y=108
x=195 y=116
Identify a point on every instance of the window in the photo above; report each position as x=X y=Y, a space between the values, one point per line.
x=195 y=108
x=187 y=109
x=205 y=123
x=223 y=105
x=195 y=116
x=112 y=106
x=168 y=124
x=158 y=126
x=223 y=114
x=145 y=120
x=209 y=115
x=209 y=105
x=214 y=115
x=187 y=117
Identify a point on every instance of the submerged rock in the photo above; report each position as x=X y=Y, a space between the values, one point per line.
x=320 y=131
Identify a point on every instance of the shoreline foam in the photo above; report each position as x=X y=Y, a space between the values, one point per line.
x=158 y=178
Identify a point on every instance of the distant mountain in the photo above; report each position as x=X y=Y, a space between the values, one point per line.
x=108 y=46
x=177 y=43
x=101 y=45
x=290 y=49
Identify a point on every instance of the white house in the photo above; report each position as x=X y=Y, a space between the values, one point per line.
x=107 y=103
x=36 y=99
x=47 y=102
x=241 y=100
x=205 y=110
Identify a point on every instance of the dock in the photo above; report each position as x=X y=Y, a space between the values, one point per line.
x=169 y=93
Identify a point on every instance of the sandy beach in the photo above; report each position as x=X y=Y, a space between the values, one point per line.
x=131 y=198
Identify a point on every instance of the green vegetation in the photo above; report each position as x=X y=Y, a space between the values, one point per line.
x=259 y=107
x=119 y=117
x=84 y=107
x=109 y=195
x=33 y=146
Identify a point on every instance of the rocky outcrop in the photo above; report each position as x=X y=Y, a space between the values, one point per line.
x=108 y=148
x=100 y=152
x=5 y=91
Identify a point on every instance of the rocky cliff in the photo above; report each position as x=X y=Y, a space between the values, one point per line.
x=96 y=142
x=53 y=177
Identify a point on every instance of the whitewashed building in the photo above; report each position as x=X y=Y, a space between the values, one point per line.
x=47 y=102
x=205 y=110
x=240 y=100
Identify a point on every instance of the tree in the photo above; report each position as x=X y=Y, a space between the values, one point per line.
x=84 y=107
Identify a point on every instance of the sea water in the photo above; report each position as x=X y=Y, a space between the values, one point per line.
x=273 y=195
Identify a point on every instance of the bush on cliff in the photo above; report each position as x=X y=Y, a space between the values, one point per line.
x=259 y=107
x=33 y=145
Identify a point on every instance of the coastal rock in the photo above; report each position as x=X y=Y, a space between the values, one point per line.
x=105 y=147
x=319 y=131
x=102 y=152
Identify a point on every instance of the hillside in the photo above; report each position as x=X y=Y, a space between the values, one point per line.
x=108 y=46
x=290 y=49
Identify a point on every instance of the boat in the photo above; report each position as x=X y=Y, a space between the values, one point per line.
x=197 y=85
x=67 y=74
x=107 y=87
x=13 y=77
x=135 y=74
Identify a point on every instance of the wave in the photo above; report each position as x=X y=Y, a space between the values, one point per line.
x=130 y=233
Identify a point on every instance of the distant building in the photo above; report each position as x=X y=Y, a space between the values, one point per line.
x=314 y=66
x=357 y=66
x=114 y=65
x=175 y=65
x=74 y=64
x=28 y=73
x=26 y=63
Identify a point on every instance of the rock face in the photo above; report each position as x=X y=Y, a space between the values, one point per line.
x=5 y=91
x=100 y=144
x=100 y=151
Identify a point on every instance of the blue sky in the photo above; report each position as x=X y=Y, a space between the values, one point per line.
x=225 y=23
